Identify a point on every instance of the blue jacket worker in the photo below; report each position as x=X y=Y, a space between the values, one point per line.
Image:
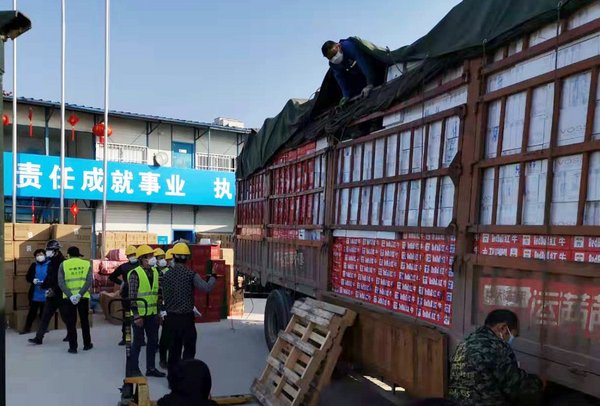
x=352 y=68
x=37 y=296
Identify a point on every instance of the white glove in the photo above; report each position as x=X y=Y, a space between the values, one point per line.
x=366 y=91
x=163 y=314
x=73 y=299
x=197 y=313
x=36 y=281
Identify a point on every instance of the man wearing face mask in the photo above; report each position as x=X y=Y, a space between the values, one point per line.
x=119 y=277
x=352 y=68
x=162 y=264
x=178 y=285
x=484 y=369
x=143 y=283
x=53 y=292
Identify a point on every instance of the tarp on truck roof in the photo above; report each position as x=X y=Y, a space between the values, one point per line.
x=468 y=30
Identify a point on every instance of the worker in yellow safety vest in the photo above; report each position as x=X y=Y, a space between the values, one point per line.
x=75 y=280
x=143 y=283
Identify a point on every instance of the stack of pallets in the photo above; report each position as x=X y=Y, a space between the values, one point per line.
x=304 y=356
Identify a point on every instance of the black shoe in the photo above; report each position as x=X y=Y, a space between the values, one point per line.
x=156 y=373
x=122 y=342
x=24 y=332
x=72 y=351
x=163 y=364
x=88 y=347
x=35 y=340
x=66 y=339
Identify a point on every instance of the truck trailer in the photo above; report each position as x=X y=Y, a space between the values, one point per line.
x=468 y=181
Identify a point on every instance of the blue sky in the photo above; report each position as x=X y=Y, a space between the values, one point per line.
x=199 y=59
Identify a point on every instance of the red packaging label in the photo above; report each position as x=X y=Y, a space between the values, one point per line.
x=383 y=291
x=411 y=266
x=387 y=273
x=366 y=287
x=406 y=297
x=404 y=308
x=390 y=253
x=411 y=245
x=500 y=239
x=349 y=275
x=544 y=254
x=391 y=244
x=500 y=251
x=591 y=257
x=370 y=250
x=440 y=259
x=365 y=278
x=388 y=263
x=411 y=256
x=365 y=296
x=546 y=241
x=389 y=283
x=430 y=292
x=348 y=283
x=353 y=241
x=366 y=269
x=434 y=269
x=369 y=260
x=408 y=277
x=352 y=249
x=382 y=301
x=369 y=242
x=434 y=281
x=350 y=266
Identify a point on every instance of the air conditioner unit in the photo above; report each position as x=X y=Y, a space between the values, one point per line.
x=161 y=158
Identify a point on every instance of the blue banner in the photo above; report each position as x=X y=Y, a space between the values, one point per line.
x=39 y=176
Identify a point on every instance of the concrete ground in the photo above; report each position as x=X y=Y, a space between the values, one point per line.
x=234 y=350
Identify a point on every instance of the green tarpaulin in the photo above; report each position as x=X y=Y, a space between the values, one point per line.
x=472 y=28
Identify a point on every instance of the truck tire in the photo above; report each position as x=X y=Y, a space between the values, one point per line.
x=277 y=315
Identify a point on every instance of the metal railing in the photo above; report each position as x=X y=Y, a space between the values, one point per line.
x=123 y=153
x=215 y=162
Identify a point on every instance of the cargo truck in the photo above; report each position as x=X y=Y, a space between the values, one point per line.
x=468 y=181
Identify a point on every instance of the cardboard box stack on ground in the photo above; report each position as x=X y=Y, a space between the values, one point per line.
x=74 y=235
x=121 y=239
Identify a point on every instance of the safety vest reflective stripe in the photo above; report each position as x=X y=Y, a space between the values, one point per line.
x=147 y=292
x=76 y=272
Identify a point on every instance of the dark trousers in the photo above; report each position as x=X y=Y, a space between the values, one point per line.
x=165 y=342
x=52 y=305
x=182 y=331
x=34 y=309
x=70 y=312
x=150 y=327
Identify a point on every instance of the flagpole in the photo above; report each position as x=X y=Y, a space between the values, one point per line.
x=62 y=113
x=105 y=145
x=14 y=129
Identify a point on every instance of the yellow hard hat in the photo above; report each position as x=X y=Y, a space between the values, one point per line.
x=181 y=249
x=143 y=250
x=159 y=252
x=169 y=254
x=130 y=250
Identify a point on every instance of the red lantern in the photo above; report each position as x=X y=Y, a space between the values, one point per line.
x=74 y=211
x=98 y=131
x=5 y=120
x=73 y=120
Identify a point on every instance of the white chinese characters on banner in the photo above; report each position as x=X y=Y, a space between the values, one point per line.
x=28 y=175
x=149 y=183
x=55 y=177
x=175 y=186
x=93 y=180
x=121 y=182
x=222 y=188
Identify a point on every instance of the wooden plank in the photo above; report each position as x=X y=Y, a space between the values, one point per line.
x=311 y=317
x=326 y=314
x=263 y=395
x=296 y=342
x=282 y=369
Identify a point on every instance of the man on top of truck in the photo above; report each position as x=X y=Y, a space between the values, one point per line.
x=484 y=369
x=353 y=69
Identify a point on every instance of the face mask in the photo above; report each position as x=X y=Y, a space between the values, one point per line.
x=40 y=258
x=162 y=263
x=152 y=261
x=49 y=254
x=337 y=58
x=133 y=260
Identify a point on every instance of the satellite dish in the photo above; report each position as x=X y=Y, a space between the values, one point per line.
x=161 y=159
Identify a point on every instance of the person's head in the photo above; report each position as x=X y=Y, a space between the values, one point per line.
x=73 y=252
x=181 y=253
x=145 y=254
x=191 y=379
x=332 y=51
x=504 y=323
x=39 y=255
x=169 y=257
x=52 y=248
x=159 y=254
x=130 y=253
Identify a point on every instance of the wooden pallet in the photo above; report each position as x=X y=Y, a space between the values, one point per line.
x=305 y=354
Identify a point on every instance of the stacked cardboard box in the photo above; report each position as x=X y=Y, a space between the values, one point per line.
x=74 y=235
x=116 y=240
